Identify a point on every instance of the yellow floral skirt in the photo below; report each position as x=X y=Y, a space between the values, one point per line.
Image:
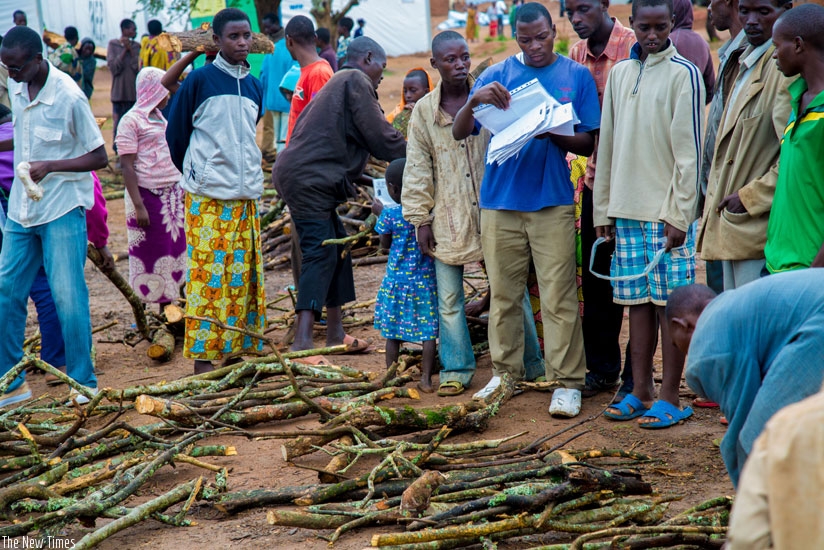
x=224 y=279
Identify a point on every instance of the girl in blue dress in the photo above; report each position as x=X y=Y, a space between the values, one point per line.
x=406 y=308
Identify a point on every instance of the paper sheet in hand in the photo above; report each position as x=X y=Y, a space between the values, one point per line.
x=532 y=112
x=382 y=193
x=512 y=139
x=524 y=99
x=563 y=120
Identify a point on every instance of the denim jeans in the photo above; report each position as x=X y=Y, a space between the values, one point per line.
x=60 y=247
x=52 y=350
x=455 y=347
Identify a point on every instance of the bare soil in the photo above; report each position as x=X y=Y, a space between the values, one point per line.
x=690 y=464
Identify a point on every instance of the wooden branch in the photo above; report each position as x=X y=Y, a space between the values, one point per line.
x=123 y=286
x=202 y=39
x=578 y=544
x=338 y=462
x=55 y=40
x=138 y=514
x=305 y=520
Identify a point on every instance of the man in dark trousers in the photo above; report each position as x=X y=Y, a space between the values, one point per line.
x=328 y=149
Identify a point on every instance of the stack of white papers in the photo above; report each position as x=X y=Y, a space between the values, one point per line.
x=532 y=112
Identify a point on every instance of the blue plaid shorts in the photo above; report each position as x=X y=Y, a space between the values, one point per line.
x=636 y=243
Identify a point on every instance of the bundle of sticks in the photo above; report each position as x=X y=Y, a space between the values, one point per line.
x=66 y=463
x=460 y=495
x=54 y=40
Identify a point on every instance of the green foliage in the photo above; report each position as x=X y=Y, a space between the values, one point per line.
x=562 y=46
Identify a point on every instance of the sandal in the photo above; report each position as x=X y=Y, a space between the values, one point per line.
x=665 y=414
x=354 y=345
x=625 y=389
x=630 y=407
x=704 y=403
x=450 y=388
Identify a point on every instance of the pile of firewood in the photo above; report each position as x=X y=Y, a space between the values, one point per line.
x=460 y=495
x=67 y=463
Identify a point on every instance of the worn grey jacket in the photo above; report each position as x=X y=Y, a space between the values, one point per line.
x=442 y=181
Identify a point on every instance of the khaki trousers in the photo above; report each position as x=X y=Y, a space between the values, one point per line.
x=274 y=131
x=508 y=238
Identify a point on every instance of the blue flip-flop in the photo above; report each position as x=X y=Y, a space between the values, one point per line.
x=666 y=415
x=627 y=403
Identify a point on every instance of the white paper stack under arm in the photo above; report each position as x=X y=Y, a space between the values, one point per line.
x=532 y=112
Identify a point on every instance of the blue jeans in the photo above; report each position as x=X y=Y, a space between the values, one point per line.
x=455 y=347
x=60 y=247
x=52 y=350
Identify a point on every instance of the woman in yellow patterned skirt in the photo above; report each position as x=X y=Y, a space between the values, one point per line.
x=211 y=136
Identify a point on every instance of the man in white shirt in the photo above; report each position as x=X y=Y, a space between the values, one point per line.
x=500 y=8
x=54 y=131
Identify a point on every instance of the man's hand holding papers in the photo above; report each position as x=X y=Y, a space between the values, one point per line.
x=518 y=116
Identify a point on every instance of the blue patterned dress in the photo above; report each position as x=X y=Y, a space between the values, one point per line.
x=407 y=303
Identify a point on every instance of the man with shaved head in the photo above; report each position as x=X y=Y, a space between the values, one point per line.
x=441 y=185
x=752 y=350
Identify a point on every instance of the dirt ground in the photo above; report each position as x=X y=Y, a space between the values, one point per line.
x=690 y=464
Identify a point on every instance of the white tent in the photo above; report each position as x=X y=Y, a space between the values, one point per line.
x=98 y=19
x=402 y=27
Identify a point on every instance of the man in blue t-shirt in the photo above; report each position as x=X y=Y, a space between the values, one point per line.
x=527 y=209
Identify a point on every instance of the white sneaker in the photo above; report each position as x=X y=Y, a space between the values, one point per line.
x=17 y=396
x=81 y=399
x=488 y=390
x=565 y=402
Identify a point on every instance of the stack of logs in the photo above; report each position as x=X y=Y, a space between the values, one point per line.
x=65 y=462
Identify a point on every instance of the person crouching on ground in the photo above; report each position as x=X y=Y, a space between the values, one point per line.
x=752 y=350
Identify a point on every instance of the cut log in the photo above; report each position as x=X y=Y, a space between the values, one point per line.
x=145 y=404
x=338 y=462
x=203 y=39
x=173 y=313
x=178 y=412
x=163 y=345
x=415 y=499
x=232 y=503
x=54 y=41
x=305 y=520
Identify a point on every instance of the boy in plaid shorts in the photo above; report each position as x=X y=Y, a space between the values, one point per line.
x=645 y=198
